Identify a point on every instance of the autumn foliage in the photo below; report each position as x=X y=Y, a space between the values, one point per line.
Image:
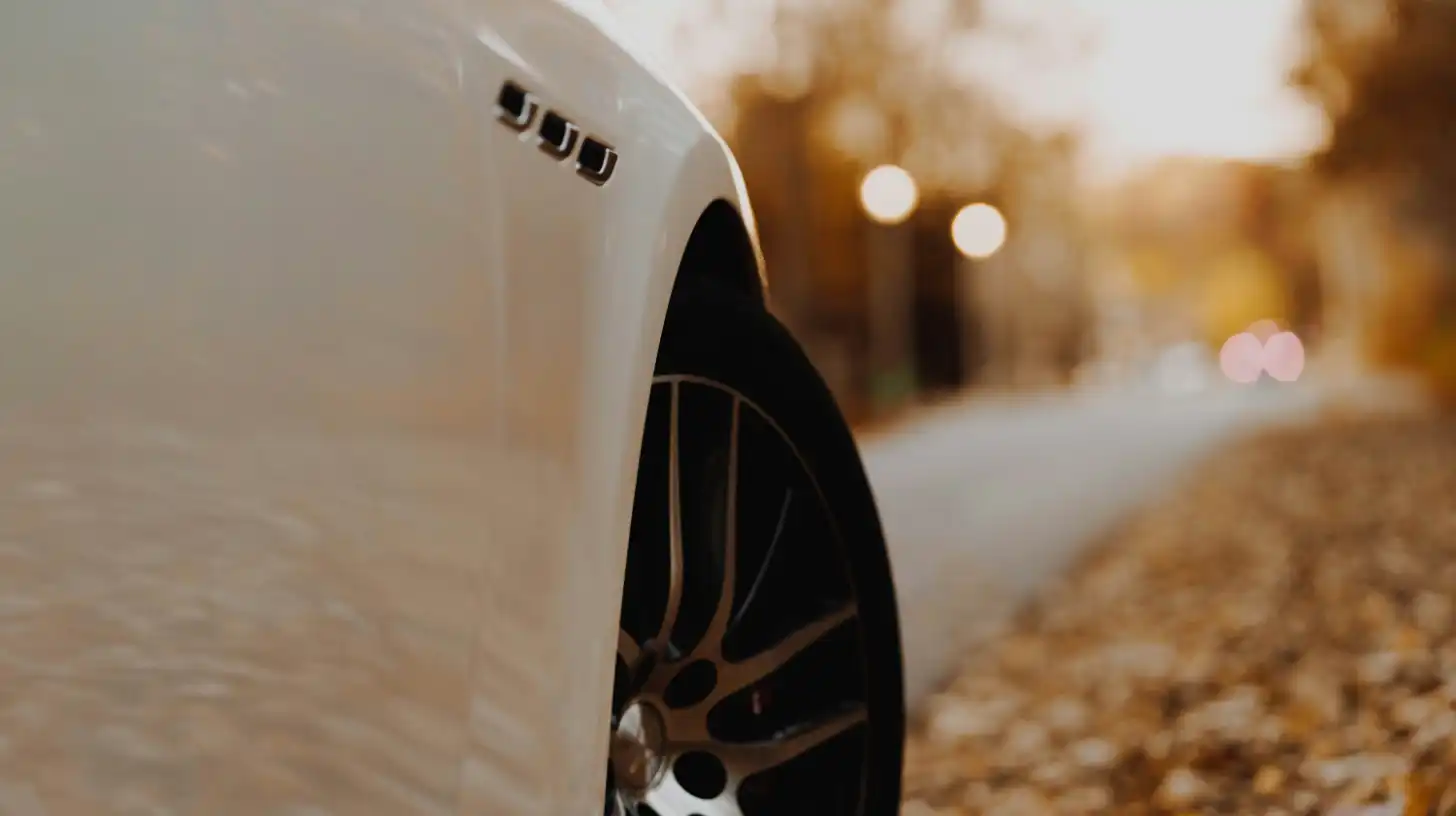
x=1385 y=73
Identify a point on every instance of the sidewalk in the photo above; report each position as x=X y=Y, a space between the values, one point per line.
x=1276 y=637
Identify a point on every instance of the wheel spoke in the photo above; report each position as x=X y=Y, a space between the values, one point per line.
x=681 y=712
x=724 y=612
x=711 y=645
x=768 y=557
x=735 y=676
x=675 y=533
x=627 y=648
x=746 y=759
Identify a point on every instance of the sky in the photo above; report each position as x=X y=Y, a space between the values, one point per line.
x=1159 y=78
x=1173 y=77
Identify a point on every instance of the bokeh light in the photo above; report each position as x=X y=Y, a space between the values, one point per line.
x=1242 y=358
x=889 y=194
x=1263 y=329
x=979 y=231
x=1284 y=357
x=1246 y=355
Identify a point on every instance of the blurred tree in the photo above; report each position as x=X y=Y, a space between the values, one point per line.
x=1385 y=73
x=813 y=93
x=1240 y=285
x=1386 y=76
x=880 y=82
x=1154 y=271
x=1213 y=244
x=836 y=88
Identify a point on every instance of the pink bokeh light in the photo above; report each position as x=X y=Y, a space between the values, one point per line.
x=1242 y=358
x=1263 y=329
x=1245 y=356
x=1284 y=357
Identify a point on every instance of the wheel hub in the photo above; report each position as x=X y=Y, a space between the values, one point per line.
x=638 y=752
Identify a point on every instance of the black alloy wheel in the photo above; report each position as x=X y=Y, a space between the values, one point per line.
x=758 y=662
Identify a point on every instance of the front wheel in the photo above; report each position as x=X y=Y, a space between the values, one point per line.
x=758 y=664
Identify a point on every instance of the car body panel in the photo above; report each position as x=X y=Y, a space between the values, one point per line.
x=320 y=397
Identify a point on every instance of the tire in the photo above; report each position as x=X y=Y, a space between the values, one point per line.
x=785 y=698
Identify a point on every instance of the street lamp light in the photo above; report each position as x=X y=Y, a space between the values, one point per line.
x=979 y=231
x=888 y=194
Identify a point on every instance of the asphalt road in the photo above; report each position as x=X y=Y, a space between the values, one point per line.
x=985 y=502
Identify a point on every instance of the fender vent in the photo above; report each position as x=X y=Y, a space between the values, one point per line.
x=596 y=161
x=556 y=136
x=515 y=108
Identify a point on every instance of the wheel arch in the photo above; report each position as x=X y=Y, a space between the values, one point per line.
x=721 y=251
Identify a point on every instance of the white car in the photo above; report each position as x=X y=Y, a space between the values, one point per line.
x=391 y=422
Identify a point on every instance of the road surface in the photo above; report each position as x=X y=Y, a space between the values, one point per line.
x=985 y=502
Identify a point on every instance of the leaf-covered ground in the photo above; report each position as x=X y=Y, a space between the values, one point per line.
x=1277 y=638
